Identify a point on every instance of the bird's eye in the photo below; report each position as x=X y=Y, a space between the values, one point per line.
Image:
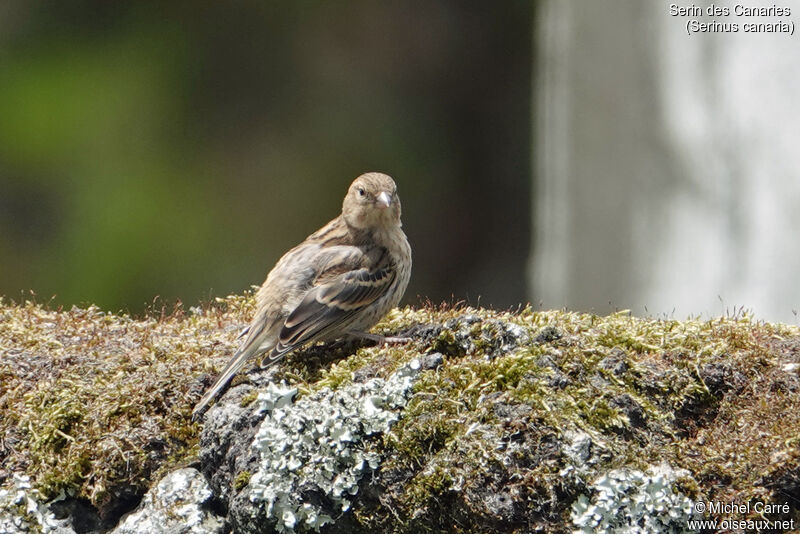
x=361 y=191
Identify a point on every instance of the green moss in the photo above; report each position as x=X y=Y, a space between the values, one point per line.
x=446 y=343
x=248 y=399
x=429 y=484
x=665 y=377
x=99 y=401
x=242 y=479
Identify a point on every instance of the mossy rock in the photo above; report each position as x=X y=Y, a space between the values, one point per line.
x=98 y=406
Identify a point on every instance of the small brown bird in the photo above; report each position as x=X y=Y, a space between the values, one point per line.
x=340 y=281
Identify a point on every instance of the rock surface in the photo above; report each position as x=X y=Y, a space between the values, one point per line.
x=178 y=504
x=486 y=422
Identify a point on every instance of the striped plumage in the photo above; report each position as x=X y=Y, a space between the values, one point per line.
x=341 y=280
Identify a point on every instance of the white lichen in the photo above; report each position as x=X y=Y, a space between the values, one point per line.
x=631 y=501
x=582 y=453
x=314 y=445
x=22 y=509
x=175 y=504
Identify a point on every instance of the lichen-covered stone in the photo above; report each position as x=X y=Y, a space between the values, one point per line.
x=510 y=419
x=314 y=446
x=178 y=504
x=23 y=511
x=628 y=500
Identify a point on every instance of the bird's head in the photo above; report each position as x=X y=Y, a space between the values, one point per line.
x=372 y=202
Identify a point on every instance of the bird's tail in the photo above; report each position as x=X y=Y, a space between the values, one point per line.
x=234 y=365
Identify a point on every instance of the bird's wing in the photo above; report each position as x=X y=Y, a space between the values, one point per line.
x=343 y=286
x=327 y=306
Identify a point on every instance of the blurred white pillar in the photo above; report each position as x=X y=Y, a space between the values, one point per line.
x=666 y=166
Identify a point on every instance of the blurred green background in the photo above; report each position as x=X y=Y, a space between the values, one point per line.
x=178 y=149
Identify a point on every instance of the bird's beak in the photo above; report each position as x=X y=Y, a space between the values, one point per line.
x=384 y=200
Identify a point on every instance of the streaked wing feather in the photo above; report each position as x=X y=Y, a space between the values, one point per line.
x=329 y=305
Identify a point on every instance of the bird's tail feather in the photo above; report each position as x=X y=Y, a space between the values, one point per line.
x=234 y=365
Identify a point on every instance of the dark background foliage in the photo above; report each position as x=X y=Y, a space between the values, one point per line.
x=178 y=149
